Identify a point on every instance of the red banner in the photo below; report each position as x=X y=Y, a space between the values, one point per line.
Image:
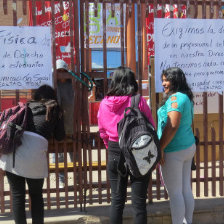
x=150 y=23
x=62 y=26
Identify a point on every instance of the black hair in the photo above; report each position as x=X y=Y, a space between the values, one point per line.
x=178 y=83
x=44 y=92
x=123 y=82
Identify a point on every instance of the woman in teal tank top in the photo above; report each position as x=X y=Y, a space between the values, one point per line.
x=177 y=143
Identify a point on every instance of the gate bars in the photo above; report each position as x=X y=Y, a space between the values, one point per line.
x=86 y=180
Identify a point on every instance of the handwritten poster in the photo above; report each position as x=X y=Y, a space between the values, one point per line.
x=194 y=45
x=25 y=57
x=150 y=22
x=213 y=102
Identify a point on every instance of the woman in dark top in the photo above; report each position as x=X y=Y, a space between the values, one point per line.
x=45 y=120
x=47 y=115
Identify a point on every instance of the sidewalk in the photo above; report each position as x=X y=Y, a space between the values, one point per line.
x=207 y=211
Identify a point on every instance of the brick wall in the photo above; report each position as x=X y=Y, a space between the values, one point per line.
x=7 y=20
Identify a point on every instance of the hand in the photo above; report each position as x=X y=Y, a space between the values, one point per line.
x=162 y=160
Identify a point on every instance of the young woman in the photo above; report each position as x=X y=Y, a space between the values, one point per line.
x=111 y=110
x=44 y=121
x=177 y=143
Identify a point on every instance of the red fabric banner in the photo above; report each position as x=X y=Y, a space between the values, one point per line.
x=62 y=26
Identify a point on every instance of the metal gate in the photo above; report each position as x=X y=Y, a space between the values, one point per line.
x=86 y=178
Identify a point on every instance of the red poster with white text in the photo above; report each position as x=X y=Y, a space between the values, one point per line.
x=62 y=26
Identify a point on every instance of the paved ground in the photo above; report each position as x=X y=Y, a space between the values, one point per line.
x=207 y=211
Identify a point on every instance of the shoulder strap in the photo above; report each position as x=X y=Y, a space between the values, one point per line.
x=135 y=100
x=24 y=123
x=51 y=106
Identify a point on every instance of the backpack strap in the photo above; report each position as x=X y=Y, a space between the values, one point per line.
x=20 y=129
x=135 y=100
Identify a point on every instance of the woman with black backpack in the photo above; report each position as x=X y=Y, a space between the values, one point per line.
x=111 y=111
x=45 y=120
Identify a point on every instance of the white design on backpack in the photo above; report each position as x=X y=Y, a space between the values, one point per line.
x=145 y=153
x=138 y=141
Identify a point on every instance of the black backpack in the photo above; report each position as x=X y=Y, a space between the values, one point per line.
x=138 y=141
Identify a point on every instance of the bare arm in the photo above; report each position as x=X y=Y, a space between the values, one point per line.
x=173 y=122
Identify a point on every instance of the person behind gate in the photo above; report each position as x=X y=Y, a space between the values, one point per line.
x=65 y=97
x=111 y=111
x=45 y=120
x=177 y=143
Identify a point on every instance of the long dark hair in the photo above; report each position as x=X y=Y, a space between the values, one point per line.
x=178 y=83
x=123 y=82
x=44 y=92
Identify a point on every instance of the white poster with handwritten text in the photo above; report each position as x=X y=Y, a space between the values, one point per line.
x=25 y=57
x=194 y=45
x=212 y=102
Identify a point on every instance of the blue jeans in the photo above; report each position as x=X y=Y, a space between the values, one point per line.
x=119 y=184
x=17 y=186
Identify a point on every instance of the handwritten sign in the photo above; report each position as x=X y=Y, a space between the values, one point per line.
x=25 y=57
x=213 y=102
x=194 y=45
x=150 y=22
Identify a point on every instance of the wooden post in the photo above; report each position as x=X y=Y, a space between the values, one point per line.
x=144 y=45
x=131 y=55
